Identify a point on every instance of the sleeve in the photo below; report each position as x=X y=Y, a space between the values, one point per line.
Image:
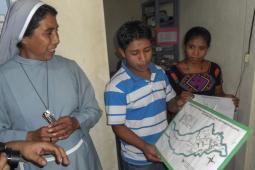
x=217 y=74
x=7 y=133
x=170 y=93
x=173 y=78
x=115 y=105
x=88 y=112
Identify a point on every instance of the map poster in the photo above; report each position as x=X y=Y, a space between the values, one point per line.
x=200 y=138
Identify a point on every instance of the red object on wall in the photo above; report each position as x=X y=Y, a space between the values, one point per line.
x=167 y=36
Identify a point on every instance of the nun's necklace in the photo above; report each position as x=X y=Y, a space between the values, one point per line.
x=45 y=104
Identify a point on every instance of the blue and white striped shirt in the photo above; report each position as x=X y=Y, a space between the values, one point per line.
x=140 y=105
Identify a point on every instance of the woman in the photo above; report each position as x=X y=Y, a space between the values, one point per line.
x=35 y=81
x=194 y=73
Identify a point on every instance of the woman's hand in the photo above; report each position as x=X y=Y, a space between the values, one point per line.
x=33 y=151
x=40 y=134
x=151 y=153
x=234 y=99
x=63 y=128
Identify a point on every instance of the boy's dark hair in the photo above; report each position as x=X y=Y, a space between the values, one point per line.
x=39 y=15
x=196 y=32
x=132 y=30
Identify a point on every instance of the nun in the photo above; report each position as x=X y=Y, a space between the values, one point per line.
x=43 y=96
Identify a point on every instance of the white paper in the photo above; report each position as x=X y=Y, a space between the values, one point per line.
x=222 y=105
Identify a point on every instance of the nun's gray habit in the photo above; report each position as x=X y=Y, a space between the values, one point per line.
x=69 y=94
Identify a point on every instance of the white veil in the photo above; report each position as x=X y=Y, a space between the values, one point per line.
x=14 y=27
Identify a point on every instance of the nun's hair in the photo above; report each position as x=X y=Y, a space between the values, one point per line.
x=132 y=30
x=39 y=15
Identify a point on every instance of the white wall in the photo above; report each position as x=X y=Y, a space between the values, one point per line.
x=116 y=13
x=229 y=22
x=248 y=91
x=82 y=36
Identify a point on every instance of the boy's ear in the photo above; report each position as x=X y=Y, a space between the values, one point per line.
x=122 y=53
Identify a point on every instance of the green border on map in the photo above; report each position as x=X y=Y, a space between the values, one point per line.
x=226 y=118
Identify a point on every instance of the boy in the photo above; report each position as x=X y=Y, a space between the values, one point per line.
x=136 y=99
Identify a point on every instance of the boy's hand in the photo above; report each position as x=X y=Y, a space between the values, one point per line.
x=151 y=153
x=183 y=98
x=176 y=103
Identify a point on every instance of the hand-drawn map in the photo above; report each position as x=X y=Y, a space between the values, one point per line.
x=200 y=138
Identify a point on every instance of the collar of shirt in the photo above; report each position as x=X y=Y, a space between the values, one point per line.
x=152 y=68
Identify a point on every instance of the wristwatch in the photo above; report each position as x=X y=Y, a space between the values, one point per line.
x=2 y=147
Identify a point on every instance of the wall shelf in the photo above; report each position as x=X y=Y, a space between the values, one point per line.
x=163 y=18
